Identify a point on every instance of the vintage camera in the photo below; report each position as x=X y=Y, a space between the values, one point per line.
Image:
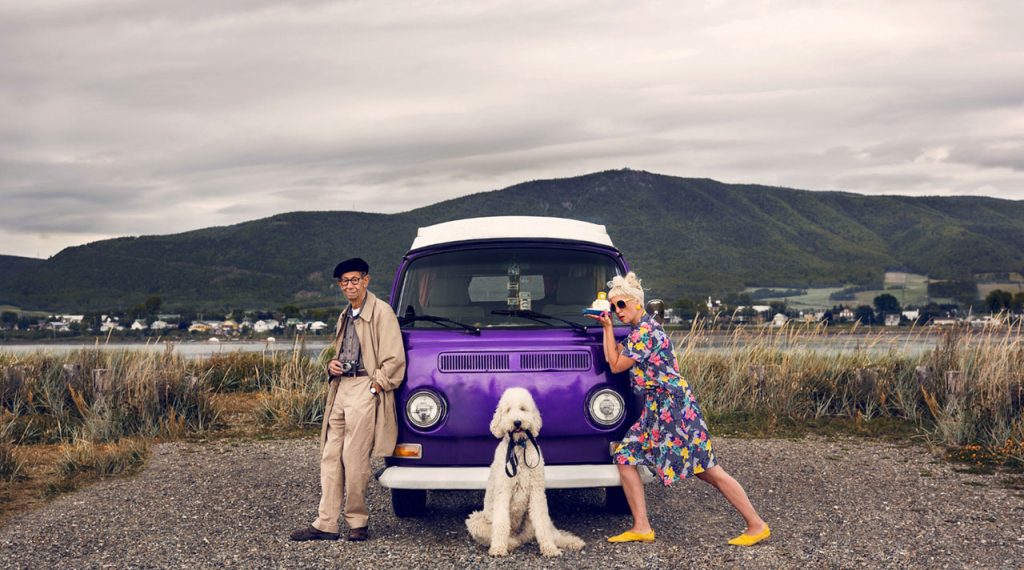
x=347 y=367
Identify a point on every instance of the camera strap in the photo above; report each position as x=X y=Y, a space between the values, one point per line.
x=512 y=461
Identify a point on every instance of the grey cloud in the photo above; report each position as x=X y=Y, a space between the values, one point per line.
x=113 y=113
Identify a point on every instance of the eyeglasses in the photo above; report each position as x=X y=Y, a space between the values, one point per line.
x=349 y=281
x=620 y=304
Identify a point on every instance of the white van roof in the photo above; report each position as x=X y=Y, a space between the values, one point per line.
x=511 y=227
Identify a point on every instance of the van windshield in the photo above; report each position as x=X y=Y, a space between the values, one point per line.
x=503 y=287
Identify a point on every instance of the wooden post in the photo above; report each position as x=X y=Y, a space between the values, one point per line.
x=954 y=382
x=1016 y=399
x=13 y=380
x=867 y=379
x=73 y=376
x=922 y=375
x=101 y=384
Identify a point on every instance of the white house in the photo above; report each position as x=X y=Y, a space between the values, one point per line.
x=139 y=325
x=317 y=326
x=945 y=322
x=779 y=320
x=109 y=324
x=912 y=315
x=265 y=326
x=892 y=320
x=158 y=325
x=68 y=319
x=59 y=326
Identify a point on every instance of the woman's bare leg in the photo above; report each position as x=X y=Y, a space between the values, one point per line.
x=734 y=493
x=633 y=488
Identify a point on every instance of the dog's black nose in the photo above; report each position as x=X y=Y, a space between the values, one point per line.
x=517 y=423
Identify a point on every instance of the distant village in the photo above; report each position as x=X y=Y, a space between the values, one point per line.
x=167 y=325
x=269 y=326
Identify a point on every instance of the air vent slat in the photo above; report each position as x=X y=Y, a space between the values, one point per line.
x=473 y=362
x=578 y=360
x=506 y=362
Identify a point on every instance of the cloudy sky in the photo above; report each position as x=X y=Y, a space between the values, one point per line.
x=120 y=117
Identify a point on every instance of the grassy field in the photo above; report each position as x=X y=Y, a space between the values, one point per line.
x=908 y=288
x=1011 y=286
x=69 y=418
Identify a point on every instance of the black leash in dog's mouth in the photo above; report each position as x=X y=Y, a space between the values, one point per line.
x=511 y=461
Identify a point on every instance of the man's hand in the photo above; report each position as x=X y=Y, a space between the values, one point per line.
x=334 y=368
x=377 y=387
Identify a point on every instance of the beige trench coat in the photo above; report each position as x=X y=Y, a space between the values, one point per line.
x=383 y=356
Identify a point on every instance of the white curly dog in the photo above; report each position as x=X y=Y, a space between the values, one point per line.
x=515 y=506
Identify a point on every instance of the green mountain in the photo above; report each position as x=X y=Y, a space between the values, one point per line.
x=11 y=265
x=683 y=236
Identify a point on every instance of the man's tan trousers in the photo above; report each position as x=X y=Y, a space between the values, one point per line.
x=345 y=461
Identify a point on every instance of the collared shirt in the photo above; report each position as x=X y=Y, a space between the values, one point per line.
x=350 y=342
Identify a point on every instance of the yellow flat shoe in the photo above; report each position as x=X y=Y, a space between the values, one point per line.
x=751 y=539
x=633 y=537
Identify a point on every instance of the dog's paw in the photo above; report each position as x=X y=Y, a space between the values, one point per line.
x=496 y=550
x=573 y=543
x=550 y=550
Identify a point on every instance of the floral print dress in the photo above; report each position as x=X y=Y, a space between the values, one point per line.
x=670 y=436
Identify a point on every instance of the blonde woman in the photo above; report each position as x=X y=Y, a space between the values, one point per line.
x=670 y=437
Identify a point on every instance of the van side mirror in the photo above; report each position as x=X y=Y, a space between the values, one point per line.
x=656 y=309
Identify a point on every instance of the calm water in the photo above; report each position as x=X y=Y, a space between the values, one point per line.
x=190 y=349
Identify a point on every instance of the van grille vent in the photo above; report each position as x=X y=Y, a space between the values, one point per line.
x=554 y=361
x=473 y=362
x=514 y=362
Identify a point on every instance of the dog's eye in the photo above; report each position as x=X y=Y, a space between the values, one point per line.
x=522 y=408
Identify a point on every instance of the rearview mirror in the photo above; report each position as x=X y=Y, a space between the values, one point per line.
x=656 y=309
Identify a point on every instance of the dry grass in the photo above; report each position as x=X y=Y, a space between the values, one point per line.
x=297 y=394
x=69 y=418
x=63 y=423
x=85 y=461
x=967 y=391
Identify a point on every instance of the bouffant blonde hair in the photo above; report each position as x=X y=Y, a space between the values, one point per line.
x=628 y=286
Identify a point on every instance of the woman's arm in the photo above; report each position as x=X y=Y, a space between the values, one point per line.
x=613 y=351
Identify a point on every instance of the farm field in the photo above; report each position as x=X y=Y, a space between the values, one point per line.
x=908 y=288
x=1011 y=286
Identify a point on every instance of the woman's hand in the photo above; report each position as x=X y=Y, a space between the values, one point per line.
x=604 y=319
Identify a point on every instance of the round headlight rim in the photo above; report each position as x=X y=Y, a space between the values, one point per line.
x=442 y=412
x=592 y=399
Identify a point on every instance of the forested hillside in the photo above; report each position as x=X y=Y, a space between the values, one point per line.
x=683 y=236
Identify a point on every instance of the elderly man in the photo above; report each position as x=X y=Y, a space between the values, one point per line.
x=359 y=417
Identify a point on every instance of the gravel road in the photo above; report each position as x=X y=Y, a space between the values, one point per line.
x=831 y=504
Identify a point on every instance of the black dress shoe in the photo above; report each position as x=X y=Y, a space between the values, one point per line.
x=358 y=534
x=313 y=533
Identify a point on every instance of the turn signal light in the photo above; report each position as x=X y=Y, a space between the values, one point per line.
x=408 y=451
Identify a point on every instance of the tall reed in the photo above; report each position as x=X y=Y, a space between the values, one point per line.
x=963 y=389
x=297 y=393
x=103 y=395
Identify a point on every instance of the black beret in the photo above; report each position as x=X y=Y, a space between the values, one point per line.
x=354 y=264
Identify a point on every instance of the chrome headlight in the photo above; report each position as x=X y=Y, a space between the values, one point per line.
x=606 y=407
x=424 y=409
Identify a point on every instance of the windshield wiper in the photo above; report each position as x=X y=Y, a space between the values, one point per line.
x=402 y=321
x=538 y=317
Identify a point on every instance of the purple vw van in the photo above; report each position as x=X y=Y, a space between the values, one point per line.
x=486 y=304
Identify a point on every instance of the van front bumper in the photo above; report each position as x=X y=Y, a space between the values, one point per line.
x=471 y=478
